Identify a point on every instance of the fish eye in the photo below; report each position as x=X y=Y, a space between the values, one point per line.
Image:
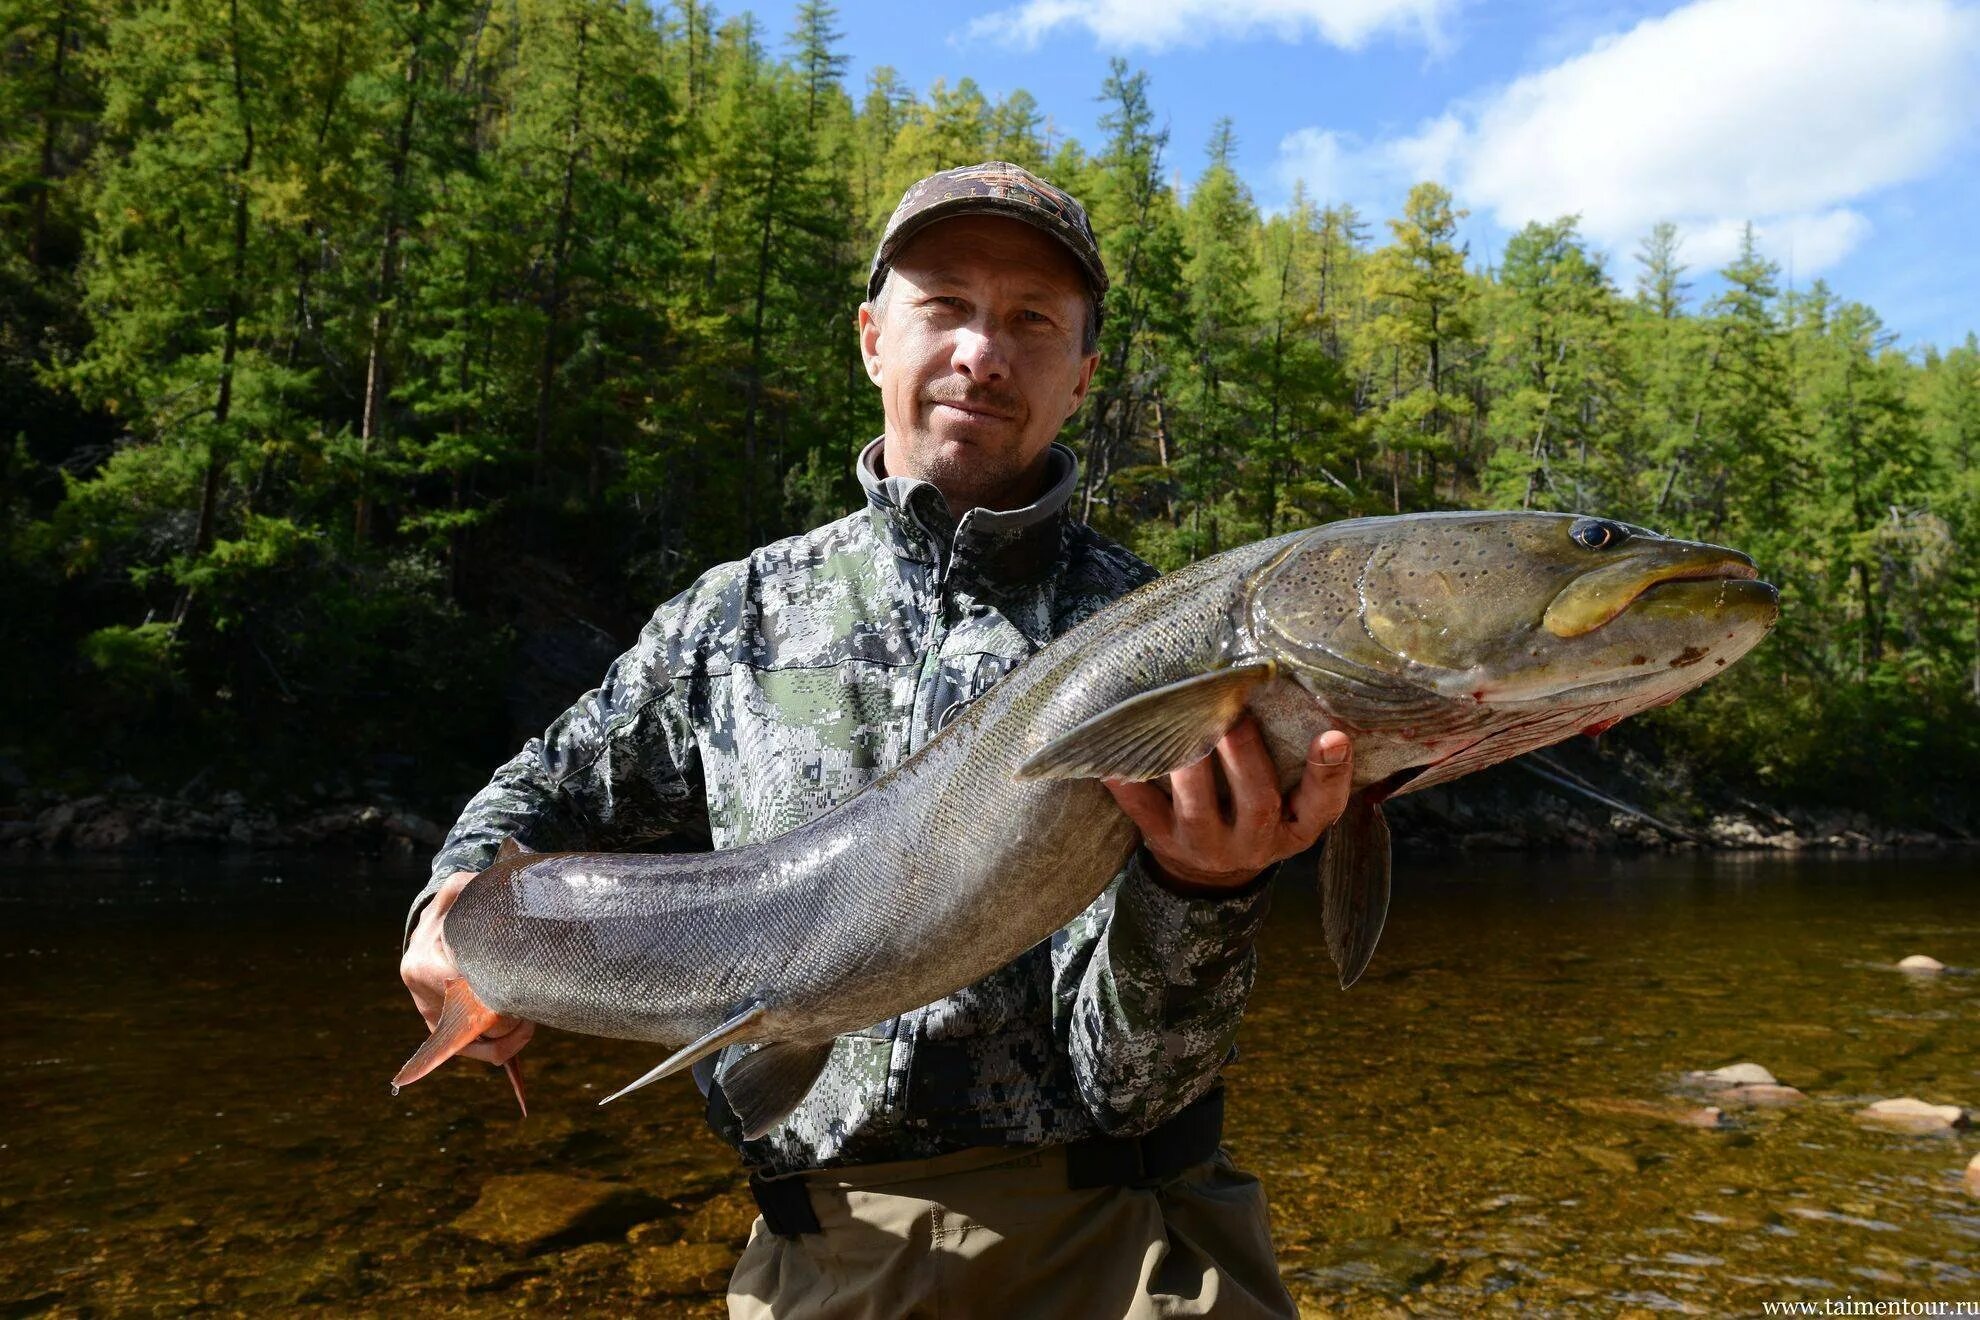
x=1596 y=534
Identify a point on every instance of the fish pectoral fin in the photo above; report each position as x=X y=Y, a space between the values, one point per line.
x=1354 y=885
x=1147 y=736
x=463 y=1017
x=766 y=1084
x=731 y=1032
x=512 y=847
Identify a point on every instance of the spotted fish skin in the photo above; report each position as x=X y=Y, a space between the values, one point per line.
x=994 y=835
x=778 y=687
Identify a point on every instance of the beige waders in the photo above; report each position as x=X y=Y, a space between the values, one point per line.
x=1001 y=1233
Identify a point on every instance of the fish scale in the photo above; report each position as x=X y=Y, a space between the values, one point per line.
x=996 y=833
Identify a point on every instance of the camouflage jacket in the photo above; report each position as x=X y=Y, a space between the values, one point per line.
x=778 y=686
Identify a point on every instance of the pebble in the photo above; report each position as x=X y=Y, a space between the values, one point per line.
x=1911 y=1114
x=1919 y=962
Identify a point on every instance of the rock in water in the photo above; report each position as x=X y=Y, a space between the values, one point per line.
x=1763 y=1096
x=727 y=1218
x=529 y=1211
x=1973 y=1177
x=1738 y=1074
x=1630 y=1110
x=1919 y=962
x=1911 y=1114
x=683 y=1269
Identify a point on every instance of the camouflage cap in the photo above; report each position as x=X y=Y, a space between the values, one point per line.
x=996 y=187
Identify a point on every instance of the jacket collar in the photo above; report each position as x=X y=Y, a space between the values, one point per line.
x=999 y=547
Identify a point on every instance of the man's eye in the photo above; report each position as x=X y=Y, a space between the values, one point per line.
x=1035 y=317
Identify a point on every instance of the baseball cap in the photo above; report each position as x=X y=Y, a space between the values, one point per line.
x=995 y=187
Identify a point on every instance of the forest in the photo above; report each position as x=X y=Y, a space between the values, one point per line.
x=354 y=353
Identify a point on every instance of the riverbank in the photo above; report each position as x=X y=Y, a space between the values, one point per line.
x=1550 y=803
x=138 y=822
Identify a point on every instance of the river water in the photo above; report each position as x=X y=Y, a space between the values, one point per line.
x=193 y=1109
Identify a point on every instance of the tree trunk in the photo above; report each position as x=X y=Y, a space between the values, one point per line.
x=765 y=232
x=553 y=297
x=370 y=427
x=230 y=332
x=38 y=234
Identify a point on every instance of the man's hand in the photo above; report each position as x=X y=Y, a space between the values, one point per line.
x=428 y=964
x=1200 y=844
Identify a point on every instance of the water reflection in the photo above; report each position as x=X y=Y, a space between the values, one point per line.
x=196 y=1111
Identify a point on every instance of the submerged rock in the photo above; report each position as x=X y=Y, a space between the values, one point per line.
x=1910 y=1114
x=529 y=1211
x=683 y=1269
x=1610 y=1159
x=1919 y=962
x=1737 y=1074
x=1649 y=1111
x=1761 y=1095
x=1388 y=1266
x=726 y=1218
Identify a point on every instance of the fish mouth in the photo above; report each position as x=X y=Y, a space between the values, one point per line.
x=1597 y=597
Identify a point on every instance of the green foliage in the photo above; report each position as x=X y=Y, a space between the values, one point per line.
x=342 y=343
x=132 y=660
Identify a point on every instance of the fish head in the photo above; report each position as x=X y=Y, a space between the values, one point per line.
x=1510 y=608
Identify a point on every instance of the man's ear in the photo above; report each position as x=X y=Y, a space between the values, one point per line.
x=869 y=341
x=1084 y=382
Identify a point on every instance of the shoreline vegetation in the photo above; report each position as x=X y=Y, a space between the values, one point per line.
x=1503 y=812
x=371 y=370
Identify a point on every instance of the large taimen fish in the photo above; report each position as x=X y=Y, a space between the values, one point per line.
x=1442 y=643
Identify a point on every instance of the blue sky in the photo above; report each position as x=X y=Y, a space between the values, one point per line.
x=1842 y=128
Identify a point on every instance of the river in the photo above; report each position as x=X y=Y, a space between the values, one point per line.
x=194 y=1115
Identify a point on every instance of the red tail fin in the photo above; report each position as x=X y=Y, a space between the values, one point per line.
x=463 y=1018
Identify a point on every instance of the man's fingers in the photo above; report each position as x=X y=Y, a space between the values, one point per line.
x=1194 y=788
x=1256 y=806
x=1146 y=805
x=1322 y=792
x=428 y=964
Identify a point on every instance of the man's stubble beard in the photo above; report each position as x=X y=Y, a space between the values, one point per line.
x=977 y=472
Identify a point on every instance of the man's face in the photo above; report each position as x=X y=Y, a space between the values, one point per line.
x=976 y=349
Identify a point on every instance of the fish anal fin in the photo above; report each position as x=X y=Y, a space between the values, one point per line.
x=1147 y=736
x=739 y=1027
x=1354 y=885
x=512 y=848
x=463 y=1018
x=513 y=1067
x=766 y=1084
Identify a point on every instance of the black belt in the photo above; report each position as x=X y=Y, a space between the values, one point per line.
x=1189 y=1138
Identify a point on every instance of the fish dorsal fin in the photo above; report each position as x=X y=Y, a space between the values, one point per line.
x=1147 y=736
x=512 y=848
x=767 y=1083
x=737 y=1029
x=1354 y=885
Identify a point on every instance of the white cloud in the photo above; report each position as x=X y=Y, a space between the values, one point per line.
x=1717 y=113
x=1807 y=242
x=1340 y=167
x=1160 y=24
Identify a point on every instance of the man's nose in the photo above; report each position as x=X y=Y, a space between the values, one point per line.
x=980 y=354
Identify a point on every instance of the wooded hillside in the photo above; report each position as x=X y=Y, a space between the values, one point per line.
x=342 y=340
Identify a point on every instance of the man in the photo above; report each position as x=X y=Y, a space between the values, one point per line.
x=1044 y=1142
